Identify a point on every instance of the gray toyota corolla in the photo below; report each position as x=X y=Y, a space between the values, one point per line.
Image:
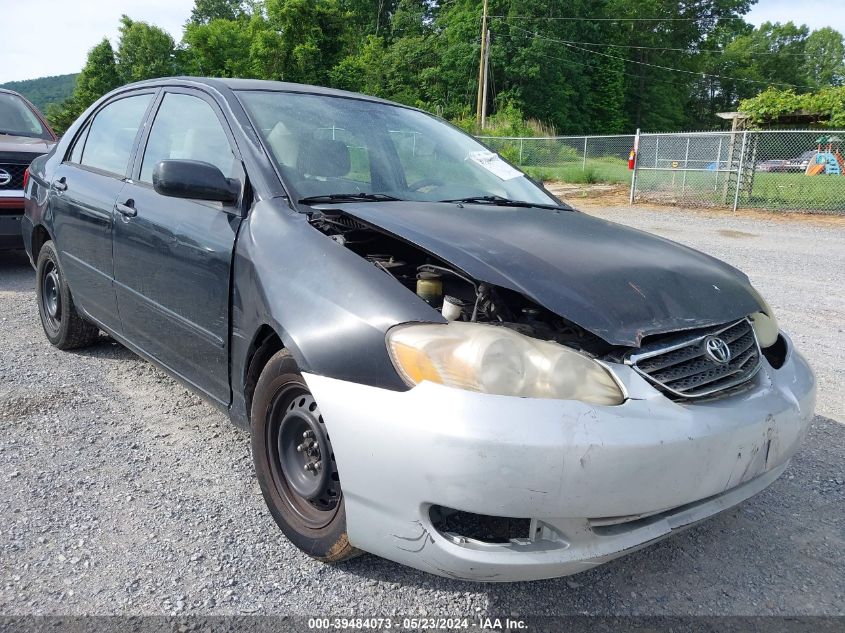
x=438 y=362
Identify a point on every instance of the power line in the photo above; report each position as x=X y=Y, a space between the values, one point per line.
x=653 y=48
x=690 y=51
x=580 y=63
x=693 y=51
x=580 y=19
x=680 y=70
x=569 y=44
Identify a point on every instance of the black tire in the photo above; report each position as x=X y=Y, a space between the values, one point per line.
x=62 y=324
x=306 y=504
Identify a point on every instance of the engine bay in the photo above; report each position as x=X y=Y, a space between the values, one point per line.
x=457 y=296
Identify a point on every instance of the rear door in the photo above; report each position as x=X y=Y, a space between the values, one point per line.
x=172 y=256
x=83 y=193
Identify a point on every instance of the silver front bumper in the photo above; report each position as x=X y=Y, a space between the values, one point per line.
x=596 y=482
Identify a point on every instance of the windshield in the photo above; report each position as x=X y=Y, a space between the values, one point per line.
x=326 y=146
x=17 y=119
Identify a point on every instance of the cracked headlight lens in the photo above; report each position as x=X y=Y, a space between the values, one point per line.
x=493 y=359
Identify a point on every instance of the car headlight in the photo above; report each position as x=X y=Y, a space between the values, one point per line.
x=497 y=360
x=765 y=324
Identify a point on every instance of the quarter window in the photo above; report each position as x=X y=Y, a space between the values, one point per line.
x=78 y=146
x=187 y=128
x=112 y=134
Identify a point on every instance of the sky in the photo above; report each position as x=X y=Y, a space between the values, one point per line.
x=39 y=38
x=52 y=37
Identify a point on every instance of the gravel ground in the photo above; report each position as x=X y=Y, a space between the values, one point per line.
x=126 y=494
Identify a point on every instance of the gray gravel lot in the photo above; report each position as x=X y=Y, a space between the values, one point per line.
x=123 y=493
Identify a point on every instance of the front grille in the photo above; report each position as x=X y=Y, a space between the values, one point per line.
x=681 y=367
x=15 y=170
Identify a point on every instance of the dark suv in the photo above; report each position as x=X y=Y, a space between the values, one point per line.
x=24 y=135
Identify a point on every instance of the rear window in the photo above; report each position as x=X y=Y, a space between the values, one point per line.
x=111 y=136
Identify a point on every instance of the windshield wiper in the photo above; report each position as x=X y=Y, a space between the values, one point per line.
x=349 y=197
x=507 y=202
x=16 y=133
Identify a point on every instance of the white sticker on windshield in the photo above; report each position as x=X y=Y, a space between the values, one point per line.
x=493 y=163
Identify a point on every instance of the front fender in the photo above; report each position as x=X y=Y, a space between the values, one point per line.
x=330 y=307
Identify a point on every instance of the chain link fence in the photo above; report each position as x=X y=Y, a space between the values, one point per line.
x=795 y=170
x=690 y=169
x=575 y=159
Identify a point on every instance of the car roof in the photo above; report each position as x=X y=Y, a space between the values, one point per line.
x=258 y=84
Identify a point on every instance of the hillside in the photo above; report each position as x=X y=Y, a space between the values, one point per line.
x=44 y=90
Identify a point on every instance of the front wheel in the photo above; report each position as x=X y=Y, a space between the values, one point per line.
x=61 y=322
x=295 y=464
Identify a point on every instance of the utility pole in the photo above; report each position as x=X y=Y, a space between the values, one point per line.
x=486 y=77
x=481 y=68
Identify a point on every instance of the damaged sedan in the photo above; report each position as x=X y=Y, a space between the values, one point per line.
x=438 y=361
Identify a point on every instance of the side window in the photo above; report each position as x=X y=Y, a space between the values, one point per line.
x=112 y=133
x=186 y=127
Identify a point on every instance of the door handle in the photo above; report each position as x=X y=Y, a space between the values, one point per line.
x=127 y=209
x=60 y=184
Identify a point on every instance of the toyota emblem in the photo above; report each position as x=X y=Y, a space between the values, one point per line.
x=717 y=350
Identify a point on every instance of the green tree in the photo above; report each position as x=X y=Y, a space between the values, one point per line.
x=99 y=76
x=144 y=51
x=606 y=99
x=205 y=11
x=303 y=40
x=752 y=59
x=218 y=48
x=653 y=64
x=364 y=71
x=825 y=62
x=369 y=17
x=665 y=63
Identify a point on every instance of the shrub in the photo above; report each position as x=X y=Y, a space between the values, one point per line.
x=772 y=104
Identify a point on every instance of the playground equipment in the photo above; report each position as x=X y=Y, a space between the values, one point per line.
x=826 y=161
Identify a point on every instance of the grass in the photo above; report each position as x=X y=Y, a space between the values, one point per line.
x=774 y=191
x=770 y=190
x=797 y=191
x=788 y=192
x=596 y=171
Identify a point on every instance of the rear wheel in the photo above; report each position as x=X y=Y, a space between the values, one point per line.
x=61 y=322
x=295 y=464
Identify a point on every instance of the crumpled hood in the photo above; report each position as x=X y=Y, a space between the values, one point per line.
x=619 y=283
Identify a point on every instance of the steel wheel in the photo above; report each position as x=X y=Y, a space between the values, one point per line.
x=295 y=463
x=301 y=458
x=51 y=297
x=62 y=324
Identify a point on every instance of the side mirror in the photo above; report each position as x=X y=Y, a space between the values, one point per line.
x=194 y=179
